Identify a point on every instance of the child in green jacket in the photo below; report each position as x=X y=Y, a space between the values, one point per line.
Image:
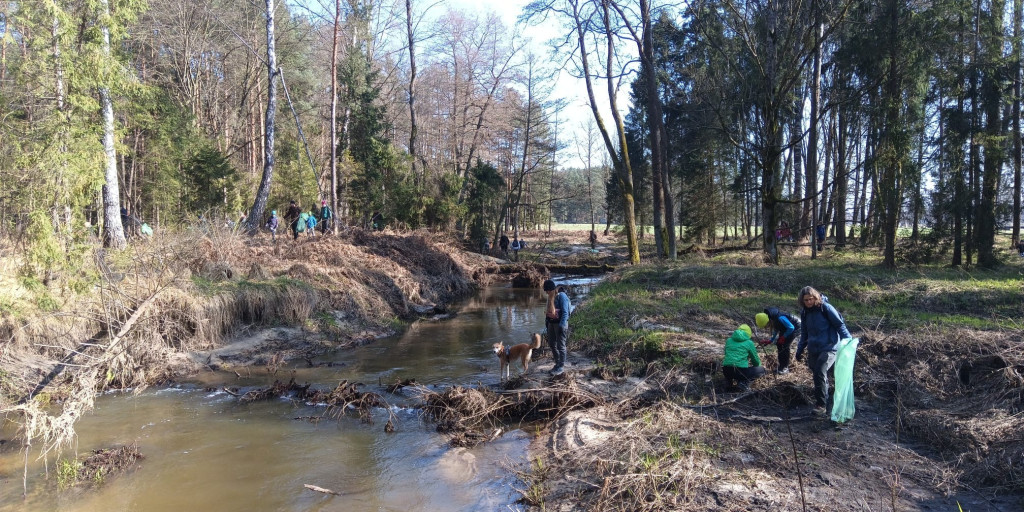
x=741 y=364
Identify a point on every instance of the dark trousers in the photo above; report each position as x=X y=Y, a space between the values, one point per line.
x=743 y=376
x=295 y=229
x=558 y=339
x=784 y=345
x=820 y=363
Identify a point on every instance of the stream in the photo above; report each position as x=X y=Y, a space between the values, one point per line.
x=203 y=450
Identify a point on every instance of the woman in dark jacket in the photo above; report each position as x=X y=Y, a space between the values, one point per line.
x=821 y=328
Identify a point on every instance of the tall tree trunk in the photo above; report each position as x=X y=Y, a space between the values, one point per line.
x=915 y=178
x=335 y=40
x=260 y=203
x=619 y=156
x=412 y=90
x=800 y=221
x=113 y=231
x=1018 y=18
x=857 y=181
x=812 y=138
x=892 y=157
x=657 y=134
x=992 y=98
x=842 y=180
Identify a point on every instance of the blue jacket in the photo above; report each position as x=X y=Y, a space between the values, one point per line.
x=564 y=307
x=781 y=326
x=821 y=328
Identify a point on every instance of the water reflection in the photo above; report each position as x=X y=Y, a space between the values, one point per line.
x=205 y=451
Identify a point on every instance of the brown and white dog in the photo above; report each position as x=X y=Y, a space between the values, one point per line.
x=522 y=352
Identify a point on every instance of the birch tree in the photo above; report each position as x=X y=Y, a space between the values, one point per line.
x=260 y=203
x=113 y=231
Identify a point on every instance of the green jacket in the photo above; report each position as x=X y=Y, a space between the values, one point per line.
x=740 y=351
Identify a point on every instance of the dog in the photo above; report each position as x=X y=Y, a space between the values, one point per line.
x=521 y=352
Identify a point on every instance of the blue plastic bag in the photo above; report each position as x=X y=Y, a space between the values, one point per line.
x=842 y=402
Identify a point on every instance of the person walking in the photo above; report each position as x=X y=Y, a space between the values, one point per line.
x=326 y=216
x=821 y=328
x=784 y=328
x=272 y=224
x=515 y=248
x=740 y=365
x=593 y=240
x=291 y=216
x=503 y=244
x=556 y=320
x=820 y=233
x=311 y=224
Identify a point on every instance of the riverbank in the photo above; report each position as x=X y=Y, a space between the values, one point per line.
x=171 y=306
x=641 y=420
x=939 y=385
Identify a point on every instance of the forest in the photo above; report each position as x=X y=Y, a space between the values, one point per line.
x=893 y=124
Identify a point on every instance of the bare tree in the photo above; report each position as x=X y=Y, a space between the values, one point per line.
x=260 y=203
x=585 y=152
x=592 y=20
x=661 y=187
x=335 y=37
x=113 y=231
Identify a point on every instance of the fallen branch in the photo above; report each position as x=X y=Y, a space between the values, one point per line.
x=716 y=404
x=320 y=489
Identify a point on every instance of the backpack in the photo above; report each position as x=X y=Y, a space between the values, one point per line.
x=793 y=320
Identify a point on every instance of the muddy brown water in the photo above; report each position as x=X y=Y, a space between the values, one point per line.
x=205 y=451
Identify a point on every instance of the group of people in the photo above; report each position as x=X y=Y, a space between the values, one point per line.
x=300 y=221
x=785 y=233
x=515 y=245
x=820 y=327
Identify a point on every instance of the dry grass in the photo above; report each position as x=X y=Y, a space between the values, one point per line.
x=961 y=392
x=662 y=459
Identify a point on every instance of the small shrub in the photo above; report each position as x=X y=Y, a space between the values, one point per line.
x=67 y=473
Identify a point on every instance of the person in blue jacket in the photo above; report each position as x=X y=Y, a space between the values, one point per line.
x=821 y=328
x=311 y=223
x=556 y=320
x=784 y=330
x=272 y=224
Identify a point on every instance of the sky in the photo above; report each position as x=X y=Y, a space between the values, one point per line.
x=573 y=90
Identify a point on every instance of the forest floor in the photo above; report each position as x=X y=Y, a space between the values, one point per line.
x=641 y=421
x=939 y=385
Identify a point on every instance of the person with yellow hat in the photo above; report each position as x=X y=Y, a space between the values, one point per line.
x=741 y=364
x=784 y=329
